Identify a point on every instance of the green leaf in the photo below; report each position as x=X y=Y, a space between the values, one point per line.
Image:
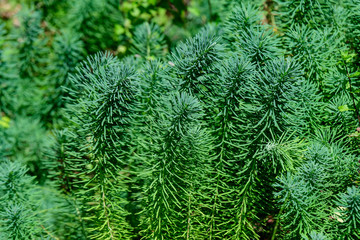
x=5 y=122
x=344 y=108
x=347 y=56
x=355 y=74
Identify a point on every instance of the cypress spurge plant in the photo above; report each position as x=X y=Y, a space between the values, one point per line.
x=241 y=20
x=60 y=154
x=178 y=151
x=256 y=105
x=317 y=53
x=265 y=149
x=325 y=173
x=241 y=132
x=149 y=41
x=68 y=50
x=103 y=97
x=19 y=206
x=302 y=209
x=95 y=20
x=151 y=83
x=236 y=72
x=28 y=44
x=259 y=44
x=308 y=12
x=347 y=213
x=193 y=63
x=7 y=74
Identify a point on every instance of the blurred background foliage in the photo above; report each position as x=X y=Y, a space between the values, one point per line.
x=118 y=20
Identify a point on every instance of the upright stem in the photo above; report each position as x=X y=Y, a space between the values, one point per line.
x=214 y=209
x=244 y=192
x=217 y=184
x=278 y=221
x=106 y=212
x=49 y=233
x=189 y=219
x=80 y=217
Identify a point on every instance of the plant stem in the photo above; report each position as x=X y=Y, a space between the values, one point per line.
x=277 y=222
x=49 y=233
x=213 y=210
x=80 y=217
x=106 y=212
x=189 y=220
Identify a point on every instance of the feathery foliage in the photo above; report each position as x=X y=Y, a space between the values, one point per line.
x=148 y=41
x=249 y=129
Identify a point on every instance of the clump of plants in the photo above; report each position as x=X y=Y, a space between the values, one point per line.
x=245 y=130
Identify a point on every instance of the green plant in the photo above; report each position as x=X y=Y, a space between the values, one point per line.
x=247 y=130
x=103 y=87
x=19 y=217
x=148 y=41
x=348 y=213
x=307 y=12
x=178 y=151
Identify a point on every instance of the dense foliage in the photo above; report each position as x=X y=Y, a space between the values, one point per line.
x=249 y=129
